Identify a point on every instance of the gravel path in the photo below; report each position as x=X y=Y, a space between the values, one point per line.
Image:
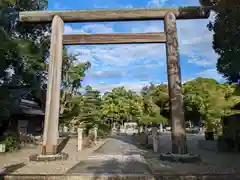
x=117 y=156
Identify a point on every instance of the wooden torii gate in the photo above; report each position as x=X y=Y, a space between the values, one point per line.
x=58 y=39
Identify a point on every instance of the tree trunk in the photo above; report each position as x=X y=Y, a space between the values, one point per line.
x=174 y=86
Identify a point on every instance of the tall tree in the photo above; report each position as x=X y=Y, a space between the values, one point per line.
x=226 y=38
x=121 y=105
x=90 y=112
x=209 y=100
x=23 y=52
x=26 y=47
x=73 y=73
x=154 y=98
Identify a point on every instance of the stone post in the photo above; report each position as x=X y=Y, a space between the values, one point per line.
x=80 y=138
x=141 y=134
x=60 y=129
x=149 y=138
x=161 y=128
x=114 y=125
x=146 y=135
x=114 y=130
x=72 y=129
x=174 y=86
x=95 y=129
x=65 y=129
x=122 y=129
x=50 y=135
x=125 y=128
x=145 y=129
x=155 y=139
x=140 y=129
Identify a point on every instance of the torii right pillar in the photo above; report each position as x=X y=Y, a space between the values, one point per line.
x=174 y=86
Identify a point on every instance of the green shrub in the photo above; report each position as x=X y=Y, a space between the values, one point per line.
x=103 y=130
x=11 y=143
x=103 y=133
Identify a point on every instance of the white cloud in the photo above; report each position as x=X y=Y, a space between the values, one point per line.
x=108 y=74
x=134 y=86
x=69 y=30
x=211 y=73
x=89 y=28
x=128 y=6
x=147 y=27
x=156 y=3
x=187 y=79
x=137 y=85
x=194 y=40
x=132 y=72
x=97 y=28
x=120 y=55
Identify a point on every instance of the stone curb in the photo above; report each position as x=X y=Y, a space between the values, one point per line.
x=188 y=158
x=79 y=177
x=101 y=144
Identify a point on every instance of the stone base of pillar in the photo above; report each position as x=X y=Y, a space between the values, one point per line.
x=43 y=158
x=182 y=158
x=49 y=149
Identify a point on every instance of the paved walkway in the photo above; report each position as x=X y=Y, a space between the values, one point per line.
x=18 y=162
x=212 y=162
x=117 y=156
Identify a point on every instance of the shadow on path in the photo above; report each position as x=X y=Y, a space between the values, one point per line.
x=10 y=169
x=62 y=144
x=168 y=169
x=121 y=165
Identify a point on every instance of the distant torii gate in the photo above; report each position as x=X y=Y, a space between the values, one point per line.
x=169 y=15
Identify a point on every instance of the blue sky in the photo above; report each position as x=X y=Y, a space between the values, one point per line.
x=134 y=66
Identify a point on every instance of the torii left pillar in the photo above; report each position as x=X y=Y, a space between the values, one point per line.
x=50 y=135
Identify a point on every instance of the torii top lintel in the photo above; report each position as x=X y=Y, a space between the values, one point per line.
x=189 y=12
